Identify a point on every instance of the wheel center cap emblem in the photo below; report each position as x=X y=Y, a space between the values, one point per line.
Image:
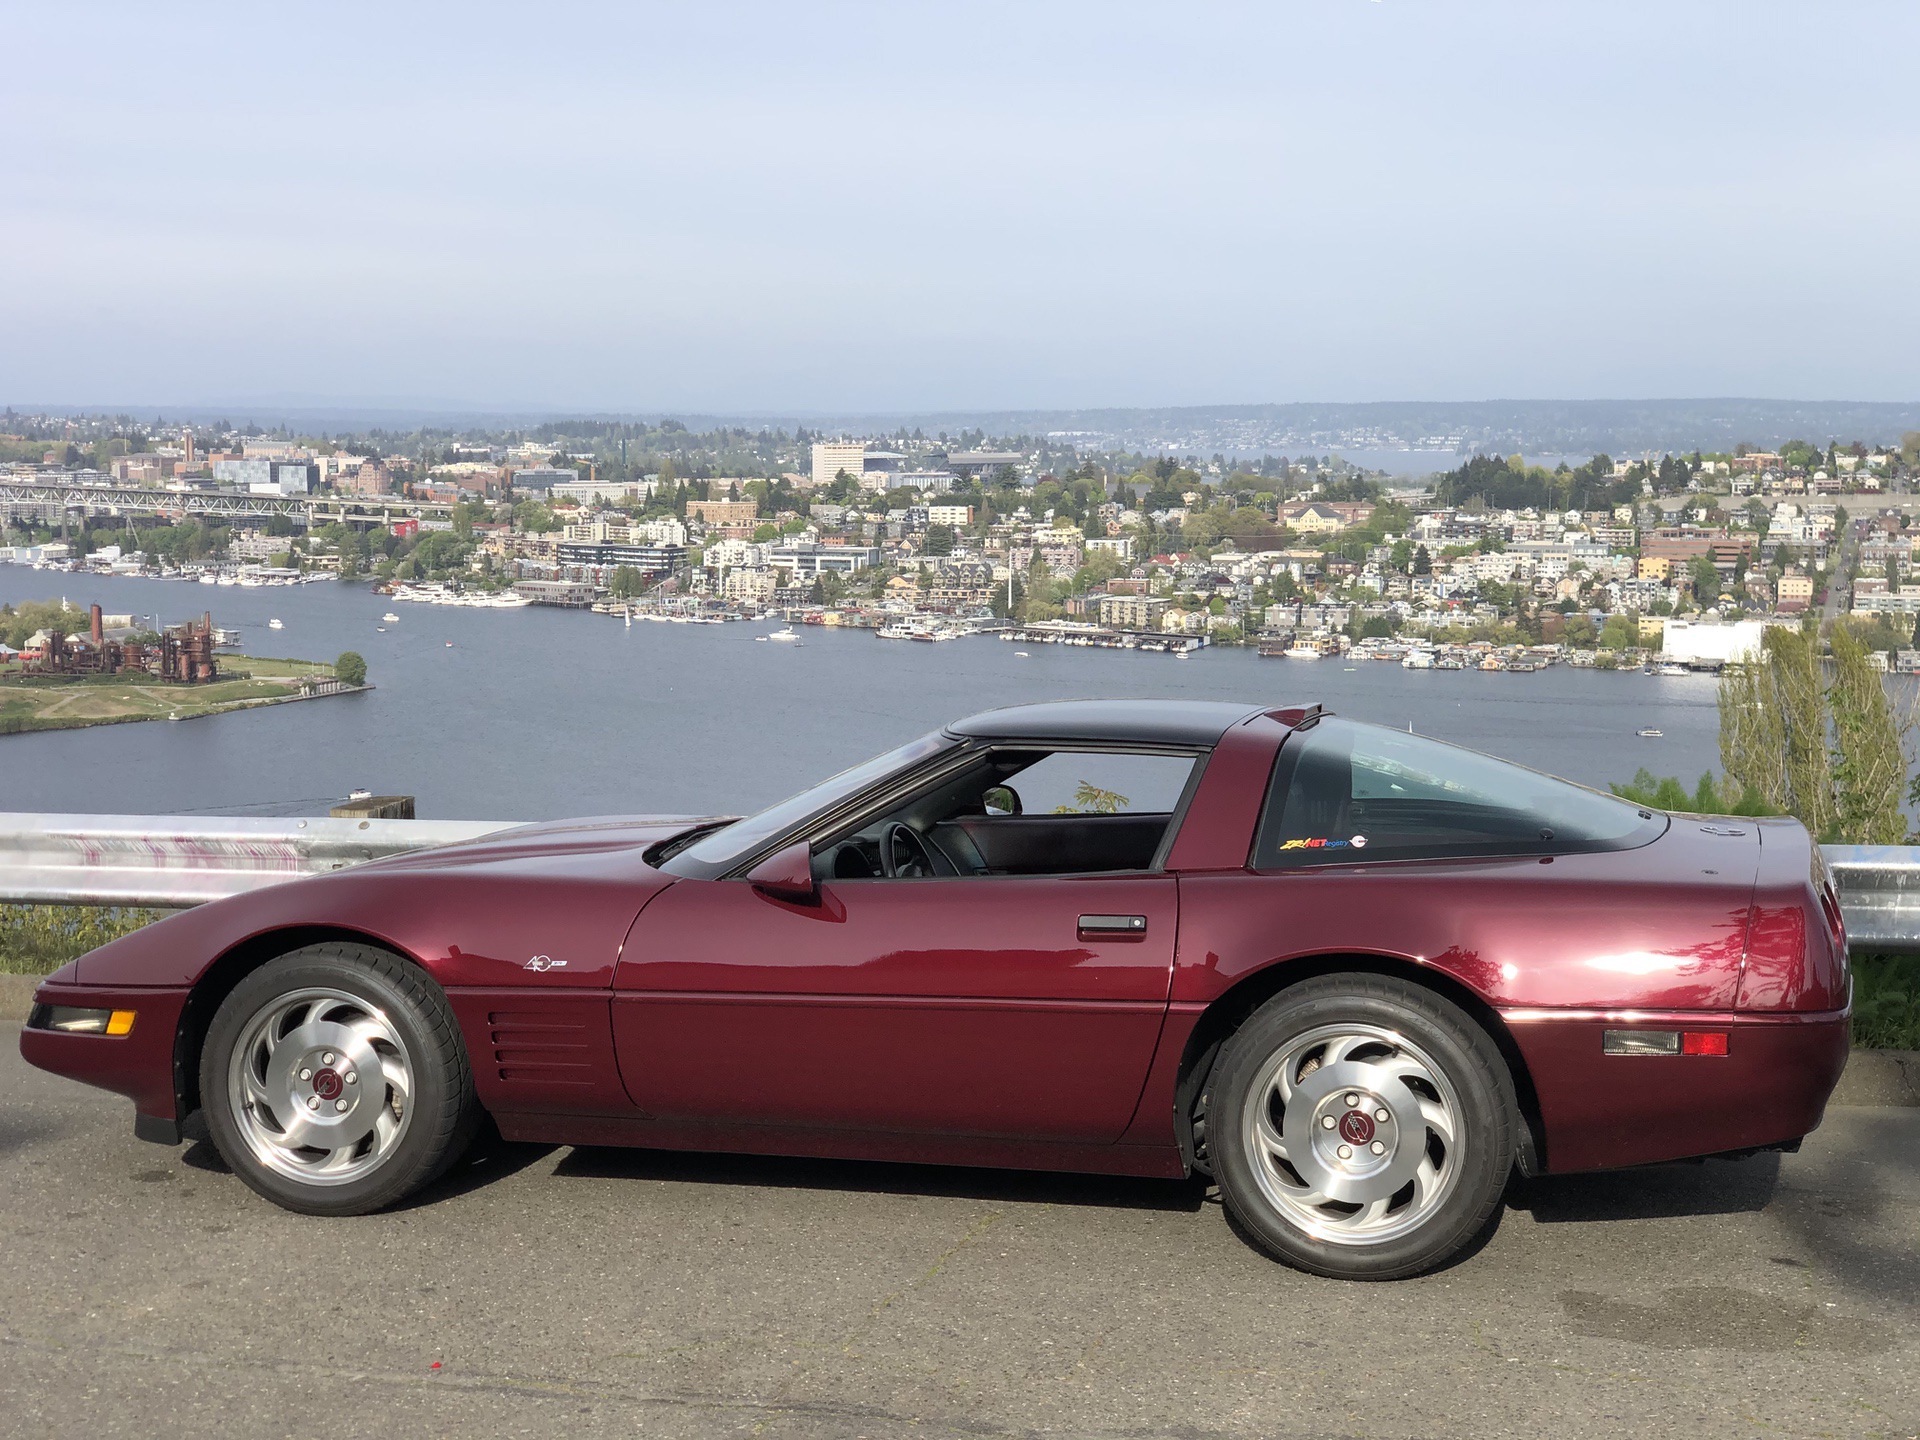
x=1356 y=1128
x=327 y=1085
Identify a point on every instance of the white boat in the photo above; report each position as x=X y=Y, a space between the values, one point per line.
x=789 y=633
x=1303 y=652
x=1672 y=669
x=391 y=618
x=1022 y=655
x=274 y=624
x=1650 y=733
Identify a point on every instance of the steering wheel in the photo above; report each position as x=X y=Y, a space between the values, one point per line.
x=918 y=863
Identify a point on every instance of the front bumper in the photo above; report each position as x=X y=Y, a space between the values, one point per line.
x=139 y=1064
x=1600 y=1112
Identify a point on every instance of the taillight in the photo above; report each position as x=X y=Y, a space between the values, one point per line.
x=1663 y=1042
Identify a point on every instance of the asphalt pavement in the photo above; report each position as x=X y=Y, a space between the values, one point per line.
x=557 y=1292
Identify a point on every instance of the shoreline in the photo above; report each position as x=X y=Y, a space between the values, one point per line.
x=35 y=724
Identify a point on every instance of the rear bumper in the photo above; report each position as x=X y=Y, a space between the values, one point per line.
x=1601 y=1112
x=139 y=1065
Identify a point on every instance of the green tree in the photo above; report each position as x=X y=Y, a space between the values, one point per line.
x=1709 y=797
x=351 y=668
x=532 y=516
x=1869 y=766
x=1823 y=745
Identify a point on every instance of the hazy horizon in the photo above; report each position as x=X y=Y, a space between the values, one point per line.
x=866 y=209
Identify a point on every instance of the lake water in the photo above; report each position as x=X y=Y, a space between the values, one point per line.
x=537 y=713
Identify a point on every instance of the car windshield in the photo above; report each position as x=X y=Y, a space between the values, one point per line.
x=722 y=849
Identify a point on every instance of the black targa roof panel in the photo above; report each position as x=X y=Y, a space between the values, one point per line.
x=1153 y=722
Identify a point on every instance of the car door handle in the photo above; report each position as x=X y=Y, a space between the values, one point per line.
x=1113 y=926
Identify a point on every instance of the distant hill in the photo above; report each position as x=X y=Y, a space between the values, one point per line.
x=1447 y=427
x=1532 y=427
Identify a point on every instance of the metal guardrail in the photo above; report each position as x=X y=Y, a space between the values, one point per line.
x=178 y=861
x=1879 y=894
x=172 y=861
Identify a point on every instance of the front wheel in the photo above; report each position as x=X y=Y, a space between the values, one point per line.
x=1361 y=1127
x=335 y=1082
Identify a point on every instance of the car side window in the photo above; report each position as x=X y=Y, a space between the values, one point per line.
x=1344 y=792
x=1069 y=782
x=1021 y=810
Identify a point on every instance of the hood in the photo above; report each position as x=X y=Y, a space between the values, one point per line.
x=595 y=835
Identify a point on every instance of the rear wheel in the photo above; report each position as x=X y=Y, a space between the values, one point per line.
x=335 y=1082
x=1361 y=1127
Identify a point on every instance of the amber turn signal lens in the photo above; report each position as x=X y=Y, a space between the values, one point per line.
x=120 y=1022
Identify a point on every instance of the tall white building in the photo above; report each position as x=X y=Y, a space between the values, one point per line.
x=830 y=457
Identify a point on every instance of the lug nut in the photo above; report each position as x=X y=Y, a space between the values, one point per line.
x=306 y=1074
x=327 y=1059
x=352 y=1077
x=1346 y=1152
x=1352 y=1100
x=1326 y=1122
x=313 y=1102
x=340 y=1105
x=1381 y=1114
x=1378 y=1148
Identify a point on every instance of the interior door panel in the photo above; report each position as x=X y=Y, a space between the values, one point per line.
x=1057 y=844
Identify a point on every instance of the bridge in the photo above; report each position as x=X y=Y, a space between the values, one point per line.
x=311 y=510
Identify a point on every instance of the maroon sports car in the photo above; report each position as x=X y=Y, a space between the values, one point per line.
x=1358 y=977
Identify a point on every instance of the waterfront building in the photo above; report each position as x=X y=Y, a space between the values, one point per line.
x=597 y=560
x=807 y=560
x=1132 y=612
x=1688 y=642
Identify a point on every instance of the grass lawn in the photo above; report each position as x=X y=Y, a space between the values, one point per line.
x=33 y=702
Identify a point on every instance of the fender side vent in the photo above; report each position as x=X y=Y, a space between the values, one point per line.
x=539 y=1048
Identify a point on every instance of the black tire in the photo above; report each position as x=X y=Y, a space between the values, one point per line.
x=1442 y=1211
x=441 y=1112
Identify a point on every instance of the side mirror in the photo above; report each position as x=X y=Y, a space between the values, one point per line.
x=1001 y=800
x=787 y=874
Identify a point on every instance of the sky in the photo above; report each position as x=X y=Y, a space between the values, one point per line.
x=813 y=207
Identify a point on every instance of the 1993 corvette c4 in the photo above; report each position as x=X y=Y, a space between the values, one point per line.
x=1358 y=977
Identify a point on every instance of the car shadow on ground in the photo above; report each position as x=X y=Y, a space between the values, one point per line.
x=1652 y=1192
x=872 y=1177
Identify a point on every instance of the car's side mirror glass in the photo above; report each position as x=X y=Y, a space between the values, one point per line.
x=1001 y=800
x=787 y=874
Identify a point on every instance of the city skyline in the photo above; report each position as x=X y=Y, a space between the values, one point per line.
x=859 y=210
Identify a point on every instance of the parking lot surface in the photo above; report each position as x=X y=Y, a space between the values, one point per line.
x=596 y=1292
